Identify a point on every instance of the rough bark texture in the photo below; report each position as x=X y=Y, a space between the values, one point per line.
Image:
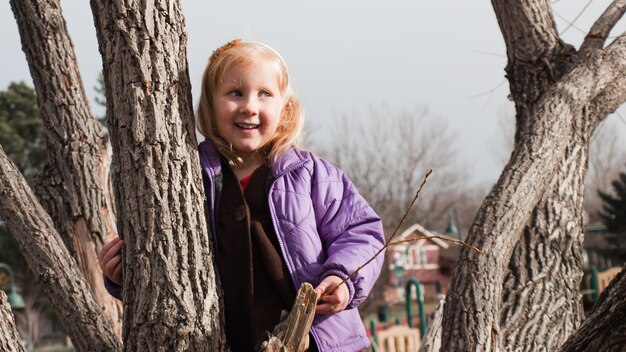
x=73 y=186
x=52 y=264
x=431 y=342
x=529 y=299
x=605 y=327
x=541 y=305
x=171 y=297
x=9 y=338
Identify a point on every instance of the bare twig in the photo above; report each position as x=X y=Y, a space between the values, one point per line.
x=408 y=209
x=600 y=30
x=389 y=242
x=395 y=231
x=464 y=244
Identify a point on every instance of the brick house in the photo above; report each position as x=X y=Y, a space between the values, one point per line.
x=428 y=260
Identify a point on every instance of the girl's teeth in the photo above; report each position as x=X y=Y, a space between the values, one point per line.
x=246 y=126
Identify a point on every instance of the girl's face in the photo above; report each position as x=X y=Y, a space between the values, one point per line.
x=248 y=105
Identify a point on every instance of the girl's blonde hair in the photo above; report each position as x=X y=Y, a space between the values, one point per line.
x=237 y=53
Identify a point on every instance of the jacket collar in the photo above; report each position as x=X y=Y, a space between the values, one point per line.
x=210 y=160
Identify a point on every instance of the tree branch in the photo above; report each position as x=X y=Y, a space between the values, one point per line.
x=614 y=95
x=603 y=330
x=528 y=29
x=537 y=57
x=50 y=261
x=604 y=24
x=9 y=338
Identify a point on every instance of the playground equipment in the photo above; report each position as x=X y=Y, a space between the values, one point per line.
x=420 y=304
x=600 y=281
x=402 y=338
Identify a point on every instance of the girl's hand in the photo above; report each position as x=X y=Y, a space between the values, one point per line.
x=110 y=260
x=331 y=303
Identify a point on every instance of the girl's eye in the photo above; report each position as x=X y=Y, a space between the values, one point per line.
x=265 y=94
x=236 y=93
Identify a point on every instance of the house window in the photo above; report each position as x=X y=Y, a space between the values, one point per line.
x=419 y=259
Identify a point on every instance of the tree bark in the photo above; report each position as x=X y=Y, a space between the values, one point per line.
x=73 y=188
x=171 y=296
x=431 y=341
x=52 y=264
x=9 y=338
x=538 y=195
x=605 y=327
x=542 y=303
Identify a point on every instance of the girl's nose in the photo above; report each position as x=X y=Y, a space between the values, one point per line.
x=250 y=107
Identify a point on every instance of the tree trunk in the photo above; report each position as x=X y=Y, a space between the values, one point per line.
x=52 y=264
x=9 y=338
x=605 y=327
x=73 y=186
x=542 y=303
x=171 y=296
x=538 y=195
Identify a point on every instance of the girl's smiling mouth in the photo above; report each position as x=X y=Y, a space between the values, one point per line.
x=247 y=126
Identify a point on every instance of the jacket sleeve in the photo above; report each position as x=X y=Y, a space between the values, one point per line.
x=350 y=231
x=114 y=289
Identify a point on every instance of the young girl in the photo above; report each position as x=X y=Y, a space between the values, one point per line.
x=279 y=216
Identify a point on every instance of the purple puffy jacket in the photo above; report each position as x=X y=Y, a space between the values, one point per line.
x=324 y=227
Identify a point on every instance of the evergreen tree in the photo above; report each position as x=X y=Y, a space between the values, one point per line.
x=21 y=128
x=613 y=212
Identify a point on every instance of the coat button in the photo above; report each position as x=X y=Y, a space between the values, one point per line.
x=240 y=213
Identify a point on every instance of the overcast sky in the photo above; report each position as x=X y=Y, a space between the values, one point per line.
x=347 y=56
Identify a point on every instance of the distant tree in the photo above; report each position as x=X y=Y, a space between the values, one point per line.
x=21 y=128
x=388 y=160
x=613 y=212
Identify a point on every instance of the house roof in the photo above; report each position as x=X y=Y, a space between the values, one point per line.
x=419 y=230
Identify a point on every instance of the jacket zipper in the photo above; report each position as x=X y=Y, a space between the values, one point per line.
x=280 y=241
